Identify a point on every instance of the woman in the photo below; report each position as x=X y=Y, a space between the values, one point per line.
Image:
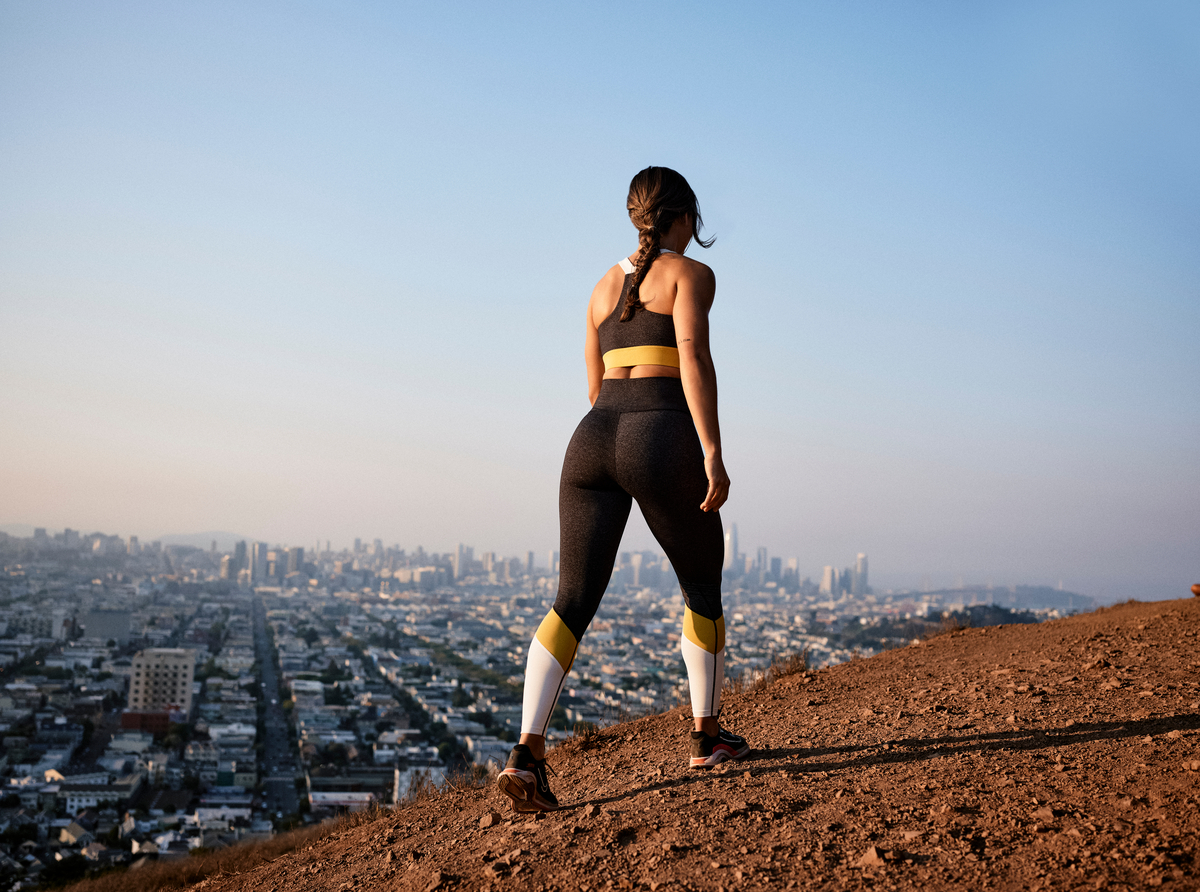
x=653 y=389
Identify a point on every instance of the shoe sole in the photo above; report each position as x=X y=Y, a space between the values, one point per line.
x=721 y=755
x=521 y=788
x=516 y=784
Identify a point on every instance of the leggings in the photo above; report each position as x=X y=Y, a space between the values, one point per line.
x=638 y=442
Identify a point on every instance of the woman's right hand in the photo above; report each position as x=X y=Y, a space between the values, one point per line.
x=718 y=482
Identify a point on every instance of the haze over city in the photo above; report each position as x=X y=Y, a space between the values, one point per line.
x=308 y=273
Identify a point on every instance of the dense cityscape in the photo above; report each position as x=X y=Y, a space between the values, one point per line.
x=159 y=699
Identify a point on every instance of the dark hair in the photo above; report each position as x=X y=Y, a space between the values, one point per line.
x=658 y=196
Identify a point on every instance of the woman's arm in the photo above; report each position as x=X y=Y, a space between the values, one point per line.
x=597 y=304
x=592 y=358
x=696 y=290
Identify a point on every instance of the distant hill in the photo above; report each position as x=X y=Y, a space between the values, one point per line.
x=1058 y=755
x=1020 y=597
x=225 y=540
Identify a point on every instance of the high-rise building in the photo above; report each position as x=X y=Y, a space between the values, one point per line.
x=552 y=562
x=161 y=680
x=635 y=567
x=461 y=560
x=258 y=562
x=239 y=557
x=829 y=581
x=529 y=564
x=134 y=548
x=858 y=581
x=227 y=567
x=295 y=559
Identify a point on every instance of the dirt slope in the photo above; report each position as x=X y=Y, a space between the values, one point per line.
x=1062 y=755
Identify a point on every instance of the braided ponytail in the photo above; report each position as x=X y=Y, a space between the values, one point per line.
x=648 y=252
x=657 y=197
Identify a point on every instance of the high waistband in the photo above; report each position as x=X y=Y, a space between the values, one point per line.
x=641 y=394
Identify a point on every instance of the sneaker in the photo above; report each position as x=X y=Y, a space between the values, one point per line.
x=709 y=751
x=523 y=780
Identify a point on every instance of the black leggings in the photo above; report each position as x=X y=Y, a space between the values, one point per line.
x=638 y=442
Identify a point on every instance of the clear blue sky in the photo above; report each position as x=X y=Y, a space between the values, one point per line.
x=310 y=271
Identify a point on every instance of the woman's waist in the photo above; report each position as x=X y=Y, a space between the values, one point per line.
x=642 y=394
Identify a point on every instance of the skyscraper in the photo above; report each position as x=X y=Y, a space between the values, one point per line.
x=858 y=583
x=258 y=562
x=731 y=547
x=829 y=581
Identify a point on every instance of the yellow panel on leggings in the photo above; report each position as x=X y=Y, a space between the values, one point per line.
x=557 y=638
x=704 y=633
x=626 y=357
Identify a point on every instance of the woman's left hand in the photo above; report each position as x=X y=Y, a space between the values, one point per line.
x=718 y=482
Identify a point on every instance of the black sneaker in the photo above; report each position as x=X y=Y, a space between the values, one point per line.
x=709 y=751
x=523 y=780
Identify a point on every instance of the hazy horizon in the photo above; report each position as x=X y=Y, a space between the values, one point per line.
x=932 y=580
x=320 y=272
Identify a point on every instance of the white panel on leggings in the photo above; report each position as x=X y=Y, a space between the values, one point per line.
x=701 y=670
x=543 y=678
x=718 y=680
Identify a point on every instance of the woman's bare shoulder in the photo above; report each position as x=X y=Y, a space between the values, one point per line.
x=695 y=272
x=607 y=292
x=613 y=279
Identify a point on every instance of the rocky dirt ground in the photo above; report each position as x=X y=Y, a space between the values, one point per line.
x=1062 y=755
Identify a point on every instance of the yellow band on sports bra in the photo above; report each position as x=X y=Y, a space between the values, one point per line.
x=624 y=357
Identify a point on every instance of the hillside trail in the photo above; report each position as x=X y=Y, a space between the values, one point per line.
x=1062 y=755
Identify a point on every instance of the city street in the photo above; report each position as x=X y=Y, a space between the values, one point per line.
x=278 y=768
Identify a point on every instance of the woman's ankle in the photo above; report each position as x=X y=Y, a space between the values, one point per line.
x=536 y=744
x=709 y=725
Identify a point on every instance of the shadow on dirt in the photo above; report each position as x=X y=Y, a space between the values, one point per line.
x=799 y=761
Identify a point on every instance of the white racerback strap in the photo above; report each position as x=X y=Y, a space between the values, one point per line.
x=627 y=267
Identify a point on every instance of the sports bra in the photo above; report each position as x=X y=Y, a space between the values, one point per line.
x=645 y=338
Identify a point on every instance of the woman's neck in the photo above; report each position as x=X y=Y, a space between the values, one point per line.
x=677 y=237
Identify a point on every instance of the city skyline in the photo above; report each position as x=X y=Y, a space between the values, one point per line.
x=295 y=273
x=249 y=562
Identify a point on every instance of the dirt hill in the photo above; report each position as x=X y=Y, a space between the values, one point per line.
x=1016 y=757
